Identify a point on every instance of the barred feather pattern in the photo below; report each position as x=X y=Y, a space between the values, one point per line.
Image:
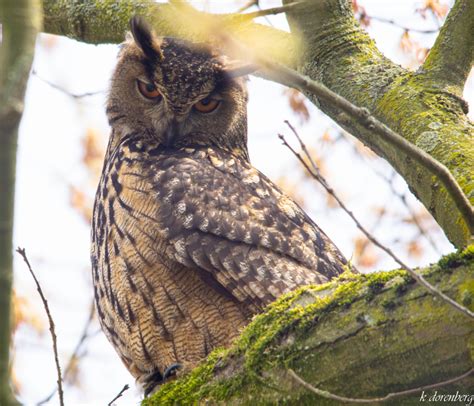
x=187 y=245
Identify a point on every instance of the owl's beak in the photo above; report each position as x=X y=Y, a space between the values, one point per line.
x=172 y=133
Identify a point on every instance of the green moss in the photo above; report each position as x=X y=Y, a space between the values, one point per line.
x=388 y=304
x=295 y=312
x=189 y=388
x=457 y=258
x=275 y=337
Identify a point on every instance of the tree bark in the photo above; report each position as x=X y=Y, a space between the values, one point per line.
x=360 y=336
x=328 y=45
x=425 y=106
x=21 y=20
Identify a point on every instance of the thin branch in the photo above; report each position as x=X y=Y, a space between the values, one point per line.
x=22 y=252
x=414 y=217
x=247 y=5
x=66 y=92
x=316 y=174
x=328 y=395
x=75 y=354
x=403 y=27
x=272 y=11
x=119 y=395
x=401 y=196
x=291 y=78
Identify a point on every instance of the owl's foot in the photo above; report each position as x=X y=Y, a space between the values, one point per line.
x=155 y=379
x=171 y=371
x=151 y=382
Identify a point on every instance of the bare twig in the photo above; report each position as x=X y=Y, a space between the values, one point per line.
x=66 y=92
x=395 y=24
x=349 y=111
x=414 y=217
x=119 y=395
x=75 y=354
x=272 y=11
x=315 y=173
x=401 y=196
x=247 y=5
x=22 y=252
x=328 y=395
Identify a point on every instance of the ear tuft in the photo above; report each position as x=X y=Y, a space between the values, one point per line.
x=145 y=38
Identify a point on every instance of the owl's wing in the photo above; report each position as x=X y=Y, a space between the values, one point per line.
x=224 y=218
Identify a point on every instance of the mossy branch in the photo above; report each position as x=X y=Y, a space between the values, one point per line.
x=451 y=57
x=362 y=116
x=341 y=55
x=359 y=336
x=106 y=21
x=21 y=20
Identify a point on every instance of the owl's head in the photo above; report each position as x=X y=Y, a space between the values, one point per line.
x=178 y=93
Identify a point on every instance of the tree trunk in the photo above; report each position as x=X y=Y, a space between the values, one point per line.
x=21 y=20
x=360 y=337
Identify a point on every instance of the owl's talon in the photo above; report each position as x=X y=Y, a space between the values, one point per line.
x=171 y=370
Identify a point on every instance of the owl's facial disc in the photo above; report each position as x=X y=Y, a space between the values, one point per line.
x=178 y=93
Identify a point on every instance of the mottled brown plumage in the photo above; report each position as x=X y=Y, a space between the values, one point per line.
x=189 y=240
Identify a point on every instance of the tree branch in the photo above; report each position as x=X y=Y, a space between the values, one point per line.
x=271 y=11
x=316 y=174
x=291 y=78
x=339 y=54
x=98 y=22
x=451 y=57
x=393 y=395
x=22 y=252
x=66 y=92
x=401 y=26
x=21 y=20
x=73 y=358
x=119 y=395
x=358 y=336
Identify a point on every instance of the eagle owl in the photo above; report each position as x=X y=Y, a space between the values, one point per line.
x=189 y=240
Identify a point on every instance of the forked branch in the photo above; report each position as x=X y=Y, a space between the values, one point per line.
x=349 y=111
x=316 y=174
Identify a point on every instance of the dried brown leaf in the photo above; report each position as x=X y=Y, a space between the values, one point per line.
x=25 y=314
x=414 y=249
x=436 y=7
x=81 y=203
x=297 y=103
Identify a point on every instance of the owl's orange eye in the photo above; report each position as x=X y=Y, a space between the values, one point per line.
x=206 y=105
x=148 y=90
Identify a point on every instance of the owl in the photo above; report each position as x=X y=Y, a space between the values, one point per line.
x=189 y=240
